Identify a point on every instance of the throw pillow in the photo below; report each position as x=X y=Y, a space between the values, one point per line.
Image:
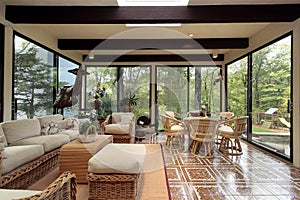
x=63 y=124
x=125 y=119
x=45 y=130
x=53 y=128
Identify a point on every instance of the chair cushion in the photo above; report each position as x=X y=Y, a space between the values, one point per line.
x=16 y=156
x=117 y=129
x=49 y=142
x=225 y=130
x=9 y=194
x=116 y=116
x=118 y=158
x=20 y=129
x=177 y=128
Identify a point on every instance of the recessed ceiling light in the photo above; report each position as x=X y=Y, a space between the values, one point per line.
x=191 y=35
x=153 y=25
x=153 y=2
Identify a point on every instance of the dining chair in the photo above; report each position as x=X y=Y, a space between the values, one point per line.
x=230 y=133
x=174 y=129
x=202 y=134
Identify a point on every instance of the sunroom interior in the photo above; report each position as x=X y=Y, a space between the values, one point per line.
x=212 y=54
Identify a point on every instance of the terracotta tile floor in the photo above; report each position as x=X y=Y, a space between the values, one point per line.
x=253 y=175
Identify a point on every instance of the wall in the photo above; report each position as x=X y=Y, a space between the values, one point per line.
x=264 y=36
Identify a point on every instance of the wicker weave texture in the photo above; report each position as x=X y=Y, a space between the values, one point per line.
x=25 y=176
x=114 y=186
x=121 y=138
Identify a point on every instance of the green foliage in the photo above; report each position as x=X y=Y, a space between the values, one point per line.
x=105 y=108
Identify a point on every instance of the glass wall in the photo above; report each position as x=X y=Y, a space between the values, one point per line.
x=34 y=80
x=271 y=95
x=269 y=92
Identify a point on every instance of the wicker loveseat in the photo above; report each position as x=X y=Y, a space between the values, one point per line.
x=28 y=152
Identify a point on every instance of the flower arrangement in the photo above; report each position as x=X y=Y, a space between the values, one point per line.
x=103 y=109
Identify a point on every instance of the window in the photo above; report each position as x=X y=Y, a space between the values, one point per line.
x=34 y=80
x=1 y=69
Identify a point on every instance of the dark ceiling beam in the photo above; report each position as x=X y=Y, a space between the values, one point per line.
x=156 y=14
x=134 y=44
x=153 y=58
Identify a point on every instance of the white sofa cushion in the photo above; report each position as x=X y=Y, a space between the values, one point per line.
x=46 y=120
x=117 y=129
x=49 y=142
x=9 y=194
x=19 y=129
x=73 y=134
x=20 y=155
x=2 y=134
x=118 y=158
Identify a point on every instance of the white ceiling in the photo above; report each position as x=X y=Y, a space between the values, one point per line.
x=101 y=31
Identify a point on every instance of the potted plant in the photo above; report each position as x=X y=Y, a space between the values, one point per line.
x=128 y=103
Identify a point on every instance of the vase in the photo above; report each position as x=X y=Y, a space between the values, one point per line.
x=95 y=103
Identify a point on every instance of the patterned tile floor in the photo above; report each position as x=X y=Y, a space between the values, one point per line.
x=253 y=175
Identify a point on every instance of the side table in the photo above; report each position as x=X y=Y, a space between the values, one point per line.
x=74 y=156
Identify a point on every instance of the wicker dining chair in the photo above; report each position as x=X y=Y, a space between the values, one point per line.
x=230 y=132
x=202 y=134
x=224 y=116
x=63 y=188
x=174 y=129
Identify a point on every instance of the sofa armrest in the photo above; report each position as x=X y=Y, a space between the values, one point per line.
x=132 y=129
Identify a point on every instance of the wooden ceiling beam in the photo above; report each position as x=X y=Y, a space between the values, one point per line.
x=135 y=44
x=156 y=14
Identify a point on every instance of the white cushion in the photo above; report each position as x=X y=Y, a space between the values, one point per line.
x=118 y=158
x=73 y=134
x=125 y=119
x=3 y=139
x=19 y=129
x=46 y=120
x=225 y=129
x=116 y=116
x=177 y=128
x=20 y=155
x=117 y=129
x=49 y=142
x=9 y=194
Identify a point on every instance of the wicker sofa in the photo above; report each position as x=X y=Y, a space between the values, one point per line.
x=64 y=187
x=30 y=148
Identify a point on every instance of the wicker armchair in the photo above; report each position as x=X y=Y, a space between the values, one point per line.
x=230 y=133
x=202 y=134
x=174 y=129
x=64 y=187
x=121 y=125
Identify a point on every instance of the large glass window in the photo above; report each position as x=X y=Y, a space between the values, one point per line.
x=237 y=87
x=271 y=96
x=66 y=78
x=34 y=80
x=205 y=88
x=134 y=86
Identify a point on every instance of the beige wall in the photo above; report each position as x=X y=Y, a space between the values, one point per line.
x=266 y=35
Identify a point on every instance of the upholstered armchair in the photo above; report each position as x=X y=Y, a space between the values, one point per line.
x=121 y=125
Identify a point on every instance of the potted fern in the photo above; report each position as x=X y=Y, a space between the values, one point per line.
x=128 y=103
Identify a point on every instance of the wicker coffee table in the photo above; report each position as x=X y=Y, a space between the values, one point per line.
x=74 y=156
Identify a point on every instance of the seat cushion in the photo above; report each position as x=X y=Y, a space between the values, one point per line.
x=49 y=142
x=118 y=158
x=9 y=194
x=73 y=134
x=225 y=130
x=19 y=129
x=16 y=156
x=117 y=129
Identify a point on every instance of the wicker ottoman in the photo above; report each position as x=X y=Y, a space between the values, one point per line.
x=115 y=172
